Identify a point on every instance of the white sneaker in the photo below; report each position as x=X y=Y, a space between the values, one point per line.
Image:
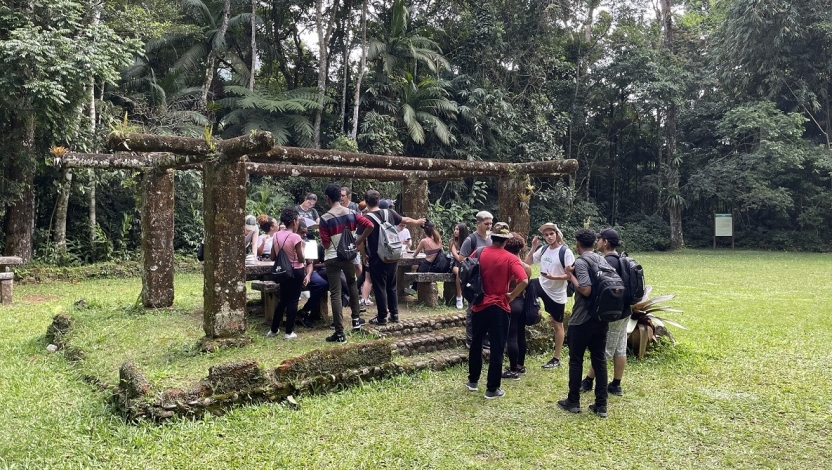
x=304 y=294
x=459 y=303
x=271 y=334
x=291 y=335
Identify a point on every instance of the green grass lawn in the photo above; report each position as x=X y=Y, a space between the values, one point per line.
x=748 y=386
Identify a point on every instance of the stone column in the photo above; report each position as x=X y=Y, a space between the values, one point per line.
x=415 y=204
x=157 y=239
x=515 y=192
x=224 y=193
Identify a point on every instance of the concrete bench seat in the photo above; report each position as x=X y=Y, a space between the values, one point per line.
x=426 y=289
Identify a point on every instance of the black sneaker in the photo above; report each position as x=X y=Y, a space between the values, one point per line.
x=586 y=385
x=510 y=375
x=357 y=322
x=601 y=411
x=615 y=390
x=499 y=393
x=486 y=345
x=394 y=318
x=336 y=338
x=554 y=362
x=378 y=321
x=570 y=406
x=521 y=370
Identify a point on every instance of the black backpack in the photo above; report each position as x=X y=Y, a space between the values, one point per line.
x=282 y=270
x=200 y=251
x=347 y=249
x=633 y=276
x=469 y=278
x=606 y=301
x=531 y=306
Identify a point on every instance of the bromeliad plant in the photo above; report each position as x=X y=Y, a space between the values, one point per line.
x=645 y=327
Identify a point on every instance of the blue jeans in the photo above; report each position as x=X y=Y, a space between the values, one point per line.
x=494 y=321
x=318 y=287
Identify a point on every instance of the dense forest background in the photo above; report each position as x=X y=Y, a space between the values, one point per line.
x=675 y=110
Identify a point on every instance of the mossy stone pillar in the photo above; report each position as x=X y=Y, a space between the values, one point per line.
x=224 y=193
x=157 y=239
x=415 y=204
x=515 y=192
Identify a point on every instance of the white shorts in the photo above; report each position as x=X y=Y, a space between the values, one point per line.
x=617 y=339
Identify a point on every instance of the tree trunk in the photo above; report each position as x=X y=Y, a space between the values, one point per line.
x=62 y=208
x=361 y=71
x=346 y=69
x=415 y=203
x=671 y=166
x=224 y=288
x=20 y=213
x=514 y=194
x=214 y=55
x=324 y=32
x=157 y=239
x=91 y=196
x=253 y=43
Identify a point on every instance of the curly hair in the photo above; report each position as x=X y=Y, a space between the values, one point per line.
x=288 y=215
x=515 y=244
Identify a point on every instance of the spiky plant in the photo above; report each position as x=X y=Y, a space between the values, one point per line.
x=645 y=327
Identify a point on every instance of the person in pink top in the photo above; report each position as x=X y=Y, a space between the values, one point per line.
x=291 y=244
x=490 y=315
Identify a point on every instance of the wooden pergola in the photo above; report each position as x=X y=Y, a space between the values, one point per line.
x=226 y=164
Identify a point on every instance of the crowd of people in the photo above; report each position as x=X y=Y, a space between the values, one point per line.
x=348 y=262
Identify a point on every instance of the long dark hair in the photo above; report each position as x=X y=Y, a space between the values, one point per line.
x=463 y=234
x=430 y=231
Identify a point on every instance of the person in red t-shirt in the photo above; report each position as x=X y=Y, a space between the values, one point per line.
x=491 y=314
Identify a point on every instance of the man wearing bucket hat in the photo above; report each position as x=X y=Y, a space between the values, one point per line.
x=491 y=314
x=554 y=256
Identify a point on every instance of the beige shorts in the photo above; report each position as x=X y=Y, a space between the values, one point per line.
x=617 y=339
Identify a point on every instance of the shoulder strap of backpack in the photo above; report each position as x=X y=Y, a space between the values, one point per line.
x=473 y=238
x=373 y=216
x=561 y=255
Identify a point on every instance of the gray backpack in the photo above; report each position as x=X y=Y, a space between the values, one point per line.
x=389 y=243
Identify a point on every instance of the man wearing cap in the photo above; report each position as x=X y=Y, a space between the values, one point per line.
x=616 y=351
x=585 y=331
x=553 y=258
x=491 y=313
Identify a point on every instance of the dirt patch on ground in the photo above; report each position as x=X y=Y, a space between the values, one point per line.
x=38 y=299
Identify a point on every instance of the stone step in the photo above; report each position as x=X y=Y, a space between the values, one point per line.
x=418 y=325
x=437 y=360
x=437 y=340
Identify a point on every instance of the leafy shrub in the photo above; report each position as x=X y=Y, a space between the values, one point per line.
x=645 y=233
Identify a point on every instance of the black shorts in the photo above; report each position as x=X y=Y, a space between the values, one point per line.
x=554 y=309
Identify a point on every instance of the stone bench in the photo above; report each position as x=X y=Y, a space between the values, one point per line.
x=270 y=294
x=7 y=278
x=426 y=289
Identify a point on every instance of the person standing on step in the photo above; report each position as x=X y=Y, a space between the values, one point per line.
x=334 y=223
x=290 y=243
x=480 y=238
x=553 y=257
x=383 y=273
x=616 y=350
x=498 y=268
x=585 y=331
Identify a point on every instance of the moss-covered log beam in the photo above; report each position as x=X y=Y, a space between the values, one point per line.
x=347 y=159
x=200 y=149
x=280 y=169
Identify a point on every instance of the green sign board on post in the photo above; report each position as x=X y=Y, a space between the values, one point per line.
x=724 y=227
